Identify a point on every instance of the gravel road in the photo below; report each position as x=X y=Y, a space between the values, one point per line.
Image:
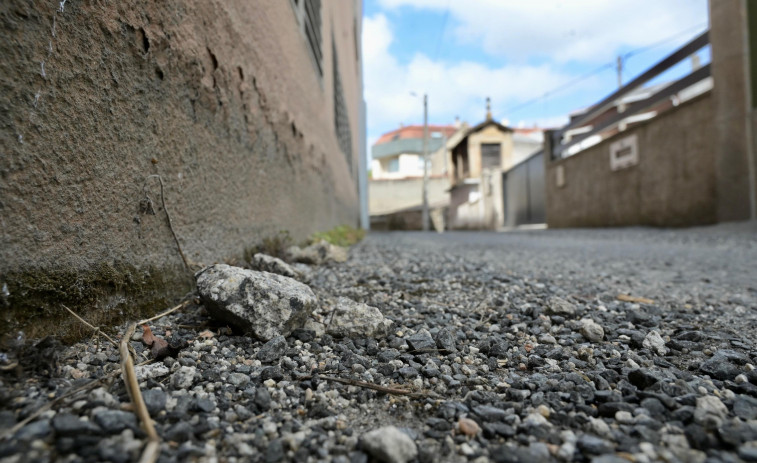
x=513 y=346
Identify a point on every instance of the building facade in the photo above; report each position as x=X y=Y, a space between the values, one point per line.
x=477 y=161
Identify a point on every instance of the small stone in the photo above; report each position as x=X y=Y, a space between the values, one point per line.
x=100 y=396
x=535 y=420
x=272 y=264
x=421 y=341
x=272 y=350
x=115 y=421
x=155 y=400
x=35 y=430
x=389 y=444
x=642 y=378
x=239 y=380
x=710 y=412
x=66 y=424
x=489 y=413
x=591 y=330
x=593 y=445
x=499 y=349
x=356 y=320
x=654 y=342
x=445 y=340
x=151 y=371
x=748 y=451
x=468 y=427
x=719 y=367
x=179 y=432
x=184 y=377
x=262 y=398
x=559 y=306
x=745 y=407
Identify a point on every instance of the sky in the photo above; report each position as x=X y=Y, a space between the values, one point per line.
x=538 y=60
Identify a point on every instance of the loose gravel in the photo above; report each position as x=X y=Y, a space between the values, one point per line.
x=515 y=346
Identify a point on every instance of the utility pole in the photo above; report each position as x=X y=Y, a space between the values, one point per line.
x=619 y=69
x=425 y=163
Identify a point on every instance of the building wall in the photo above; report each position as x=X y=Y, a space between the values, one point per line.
x=387 y=196
x=490 y=134
x=220 y=98
x=673 y=184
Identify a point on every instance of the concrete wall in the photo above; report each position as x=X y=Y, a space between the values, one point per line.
x=673 y=184
x=734 y=116
x=385 y=196
x=220 y=98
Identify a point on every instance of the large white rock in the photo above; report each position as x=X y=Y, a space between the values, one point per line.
x=351 y=319
x=389 y=445
x=264 y=304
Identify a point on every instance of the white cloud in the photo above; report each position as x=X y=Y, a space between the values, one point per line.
x=589 y=31
x=457 y=89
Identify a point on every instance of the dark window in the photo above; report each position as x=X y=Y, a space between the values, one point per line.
x=308 y=14
x=341 y=118
x=490 y=155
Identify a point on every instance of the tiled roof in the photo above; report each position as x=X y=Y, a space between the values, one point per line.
x=415 y=131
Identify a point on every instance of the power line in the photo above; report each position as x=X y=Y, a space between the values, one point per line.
x=441 y=33
x=602 y=68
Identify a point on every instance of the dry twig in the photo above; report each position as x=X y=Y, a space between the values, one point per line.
x=168 y=216
x=375 y=387
x=94 y=328
x=163 y=314
x=152 y=449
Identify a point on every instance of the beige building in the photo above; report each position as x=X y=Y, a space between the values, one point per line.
x=396 y=186
x=250 y=114
x=478 y=158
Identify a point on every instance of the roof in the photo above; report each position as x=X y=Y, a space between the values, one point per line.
x=482 y=126
x=415 y=132
x=486 y=124
x=405 y=146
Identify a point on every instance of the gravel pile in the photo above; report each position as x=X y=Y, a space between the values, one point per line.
x=496 y=347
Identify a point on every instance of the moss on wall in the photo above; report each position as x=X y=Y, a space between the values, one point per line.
x=104 y=295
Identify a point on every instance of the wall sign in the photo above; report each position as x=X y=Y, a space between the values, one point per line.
x=624 y=153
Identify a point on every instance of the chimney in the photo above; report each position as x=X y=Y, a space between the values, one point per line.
x=457 y=122
x=488 y=108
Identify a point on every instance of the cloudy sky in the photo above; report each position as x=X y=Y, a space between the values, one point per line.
x=531 y=57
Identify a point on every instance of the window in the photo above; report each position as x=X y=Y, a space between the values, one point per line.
x=420 y=163
x=393 y=165
x=308 y=14
x=341 y=118
x=490 y=155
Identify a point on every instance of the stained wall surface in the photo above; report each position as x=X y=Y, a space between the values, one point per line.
x=223 y=100
x=673 y=184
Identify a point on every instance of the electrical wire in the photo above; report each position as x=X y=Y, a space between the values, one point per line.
x=601 y=68
x=440 y=39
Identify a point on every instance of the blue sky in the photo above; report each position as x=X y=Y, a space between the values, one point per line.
x=514 y=51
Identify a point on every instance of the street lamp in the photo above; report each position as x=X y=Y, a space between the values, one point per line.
x=424 y=217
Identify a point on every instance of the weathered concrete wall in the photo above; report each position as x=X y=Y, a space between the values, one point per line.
x=674 y=183
x=387 y=196
x=734 y=117
x=220 y=98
